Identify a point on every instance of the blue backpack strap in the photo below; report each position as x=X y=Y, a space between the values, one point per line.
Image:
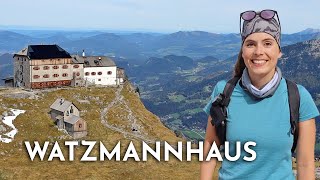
x=294 y=104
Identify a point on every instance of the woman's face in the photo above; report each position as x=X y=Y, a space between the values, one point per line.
x=260 y=52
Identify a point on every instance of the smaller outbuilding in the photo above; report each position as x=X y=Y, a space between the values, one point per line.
x=67 y=116
x=8 y=82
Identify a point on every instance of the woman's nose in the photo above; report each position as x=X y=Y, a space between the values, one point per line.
x=258 y=50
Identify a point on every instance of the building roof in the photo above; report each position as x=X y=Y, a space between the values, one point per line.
x=44 y=52
x=93 y=61
x=7 y=78
x=23 y=52
x=61 y=105
x=72 y=119
x=59 y=117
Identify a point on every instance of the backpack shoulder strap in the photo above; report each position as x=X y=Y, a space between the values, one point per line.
x=218 y=110
x=294 y=104
x=228 y=89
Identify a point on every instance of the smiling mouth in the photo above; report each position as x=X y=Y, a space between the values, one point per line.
x=259 y=61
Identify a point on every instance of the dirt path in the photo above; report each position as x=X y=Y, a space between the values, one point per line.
x=119 y=99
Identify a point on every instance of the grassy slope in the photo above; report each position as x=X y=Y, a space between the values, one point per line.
x=35 y=125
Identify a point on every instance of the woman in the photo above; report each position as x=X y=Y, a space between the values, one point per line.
x=259 y=111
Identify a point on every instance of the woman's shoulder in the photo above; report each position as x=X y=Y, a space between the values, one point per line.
x=302 y=90
x=308 y=108
x=221 y=84
x=305 y=95
x=219 y=87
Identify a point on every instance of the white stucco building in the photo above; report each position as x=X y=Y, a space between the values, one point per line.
x=99 y=70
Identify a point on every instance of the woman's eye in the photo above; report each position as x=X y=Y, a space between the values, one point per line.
x=268 y=43
x=250 y=44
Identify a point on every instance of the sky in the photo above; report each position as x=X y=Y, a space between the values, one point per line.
x=152 y=15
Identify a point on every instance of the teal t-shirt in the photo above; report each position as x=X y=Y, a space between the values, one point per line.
x=266 y=122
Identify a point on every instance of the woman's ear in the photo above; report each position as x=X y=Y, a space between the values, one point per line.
x=280 y=55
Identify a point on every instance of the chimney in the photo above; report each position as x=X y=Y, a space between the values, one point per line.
x=83 y=54
x=100 y=60
x=61 y=101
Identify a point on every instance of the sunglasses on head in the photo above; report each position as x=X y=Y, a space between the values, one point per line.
x=266 y=14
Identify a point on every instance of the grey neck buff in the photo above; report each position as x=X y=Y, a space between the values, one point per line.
x=267 y=90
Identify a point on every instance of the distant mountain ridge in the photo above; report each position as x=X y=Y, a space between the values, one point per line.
x=309 y=31
x=108 y=43
x=301 y=63
x=6 y=66
x=6 y=59
x=194 y=44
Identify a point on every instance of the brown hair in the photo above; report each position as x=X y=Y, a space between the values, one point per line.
x=239 y=66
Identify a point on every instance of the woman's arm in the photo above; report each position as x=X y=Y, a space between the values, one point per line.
x=207 y=167
x=305 y=150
